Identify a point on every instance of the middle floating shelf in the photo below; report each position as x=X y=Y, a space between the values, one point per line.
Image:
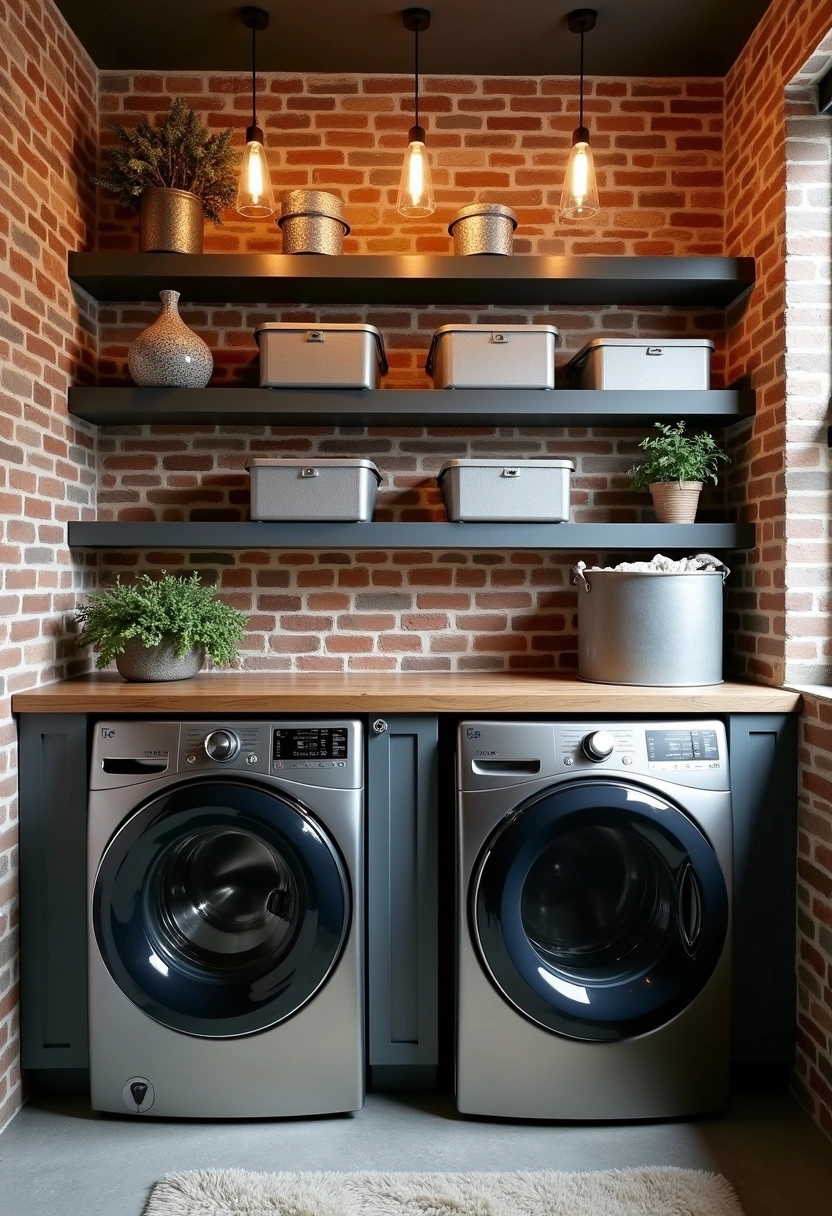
x=130 y=406
x=224 y=535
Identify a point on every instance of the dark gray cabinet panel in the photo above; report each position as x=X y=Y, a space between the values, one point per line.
x=53 y=868
x=764 y=782
x=402 y=901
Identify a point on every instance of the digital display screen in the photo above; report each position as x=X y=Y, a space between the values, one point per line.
x=682 y=745
x=312 y=743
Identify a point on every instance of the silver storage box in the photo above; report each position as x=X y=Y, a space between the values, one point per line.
x=312 y=221
x=638 y=363
x=650 y=627
x=529 y=491
x=289 y=488
x=483 y=228
x=296 y=355
x=479 y=356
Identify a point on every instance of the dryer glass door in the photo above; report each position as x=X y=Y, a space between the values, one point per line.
x=220 y=908
x=599 y=910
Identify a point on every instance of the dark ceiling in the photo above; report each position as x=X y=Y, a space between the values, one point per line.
x=476 y=37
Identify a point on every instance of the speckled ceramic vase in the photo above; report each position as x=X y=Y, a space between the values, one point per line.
x=169 y=355
x=152 y=664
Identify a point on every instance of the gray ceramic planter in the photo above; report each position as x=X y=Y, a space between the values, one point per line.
x=152 y=664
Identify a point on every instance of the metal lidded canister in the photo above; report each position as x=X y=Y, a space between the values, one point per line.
x=483 y=228
x=312 y=221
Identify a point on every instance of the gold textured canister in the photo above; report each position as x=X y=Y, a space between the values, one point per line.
x=171 y=221
x=483 y=228
x=312 y=221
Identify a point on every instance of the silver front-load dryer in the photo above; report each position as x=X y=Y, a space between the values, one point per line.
x=225 y=883
x=594 y=916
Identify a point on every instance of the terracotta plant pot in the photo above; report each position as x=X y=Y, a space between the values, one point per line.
x=153 y=664
x=170 y=221
x=676 y=501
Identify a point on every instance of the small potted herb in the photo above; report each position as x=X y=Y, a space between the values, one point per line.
x=160 y=629
x=173 y=175
x=674 y=470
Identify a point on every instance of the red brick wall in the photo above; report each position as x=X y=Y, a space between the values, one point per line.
x=813 y=1080
x=777 y=185
x=755 y=224
x=48 y=102
x=659 y=152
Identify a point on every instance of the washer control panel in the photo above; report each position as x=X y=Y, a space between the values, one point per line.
x=492 y=754
x=326 y=752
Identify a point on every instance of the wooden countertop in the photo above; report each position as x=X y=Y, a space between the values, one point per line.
x=435 y=692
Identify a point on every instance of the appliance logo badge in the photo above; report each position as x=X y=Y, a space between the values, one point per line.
x=470 y=733
x=107 y=732
x=138 y=1094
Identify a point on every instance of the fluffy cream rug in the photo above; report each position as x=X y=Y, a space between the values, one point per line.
x=639 y=1192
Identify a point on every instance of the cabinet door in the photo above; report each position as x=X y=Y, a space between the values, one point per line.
x=764 y=780
x=53 y=874
x=402 y=883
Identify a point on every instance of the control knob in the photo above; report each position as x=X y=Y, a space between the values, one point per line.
x=221 y=745
x=598 y=746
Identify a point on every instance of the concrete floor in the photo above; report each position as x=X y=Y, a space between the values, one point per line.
x=58 y=1158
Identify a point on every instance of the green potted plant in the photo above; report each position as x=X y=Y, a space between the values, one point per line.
x=674 y=470
x=173 y=175
x=160 y=629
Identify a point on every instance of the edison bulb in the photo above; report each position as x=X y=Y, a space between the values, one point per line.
x=255 y=198
x=416 y=187
x=579 y=198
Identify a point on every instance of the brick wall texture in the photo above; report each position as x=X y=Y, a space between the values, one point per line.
x=659 y=154
x=685 y=167
x=48 y=103
x=777 y=190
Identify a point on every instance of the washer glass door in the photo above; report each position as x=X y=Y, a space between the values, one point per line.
x=220 y=907
x=599 y=910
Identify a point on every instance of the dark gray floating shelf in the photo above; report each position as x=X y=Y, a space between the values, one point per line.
x=693 y=538
x=390 y=407
x=416 y=279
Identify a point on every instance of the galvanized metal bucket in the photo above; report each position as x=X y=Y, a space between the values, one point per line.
x=171 y=221
x=483 y=228
x=312 y=221
x=652 y=628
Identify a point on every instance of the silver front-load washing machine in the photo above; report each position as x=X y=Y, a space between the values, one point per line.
x=225 y=883
x=594 y=911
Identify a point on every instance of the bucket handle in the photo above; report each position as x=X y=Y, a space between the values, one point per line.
x=579 y=576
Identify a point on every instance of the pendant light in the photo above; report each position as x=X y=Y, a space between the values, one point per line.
x=255 y=198
x=416 y=187
x=579 y=198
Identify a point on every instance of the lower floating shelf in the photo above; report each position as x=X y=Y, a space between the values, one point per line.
x=224 y=535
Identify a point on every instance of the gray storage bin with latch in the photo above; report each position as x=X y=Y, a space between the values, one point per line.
x=341 y=490
x=296 y=355
x=529 y=491
x=481 y=356
x=643 y=363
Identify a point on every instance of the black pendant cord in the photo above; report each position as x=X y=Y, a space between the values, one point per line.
x=581 y=101
x=254 y=73
x=416 y=79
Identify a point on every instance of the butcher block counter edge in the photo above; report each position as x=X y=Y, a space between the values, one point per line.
x=371 y=692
